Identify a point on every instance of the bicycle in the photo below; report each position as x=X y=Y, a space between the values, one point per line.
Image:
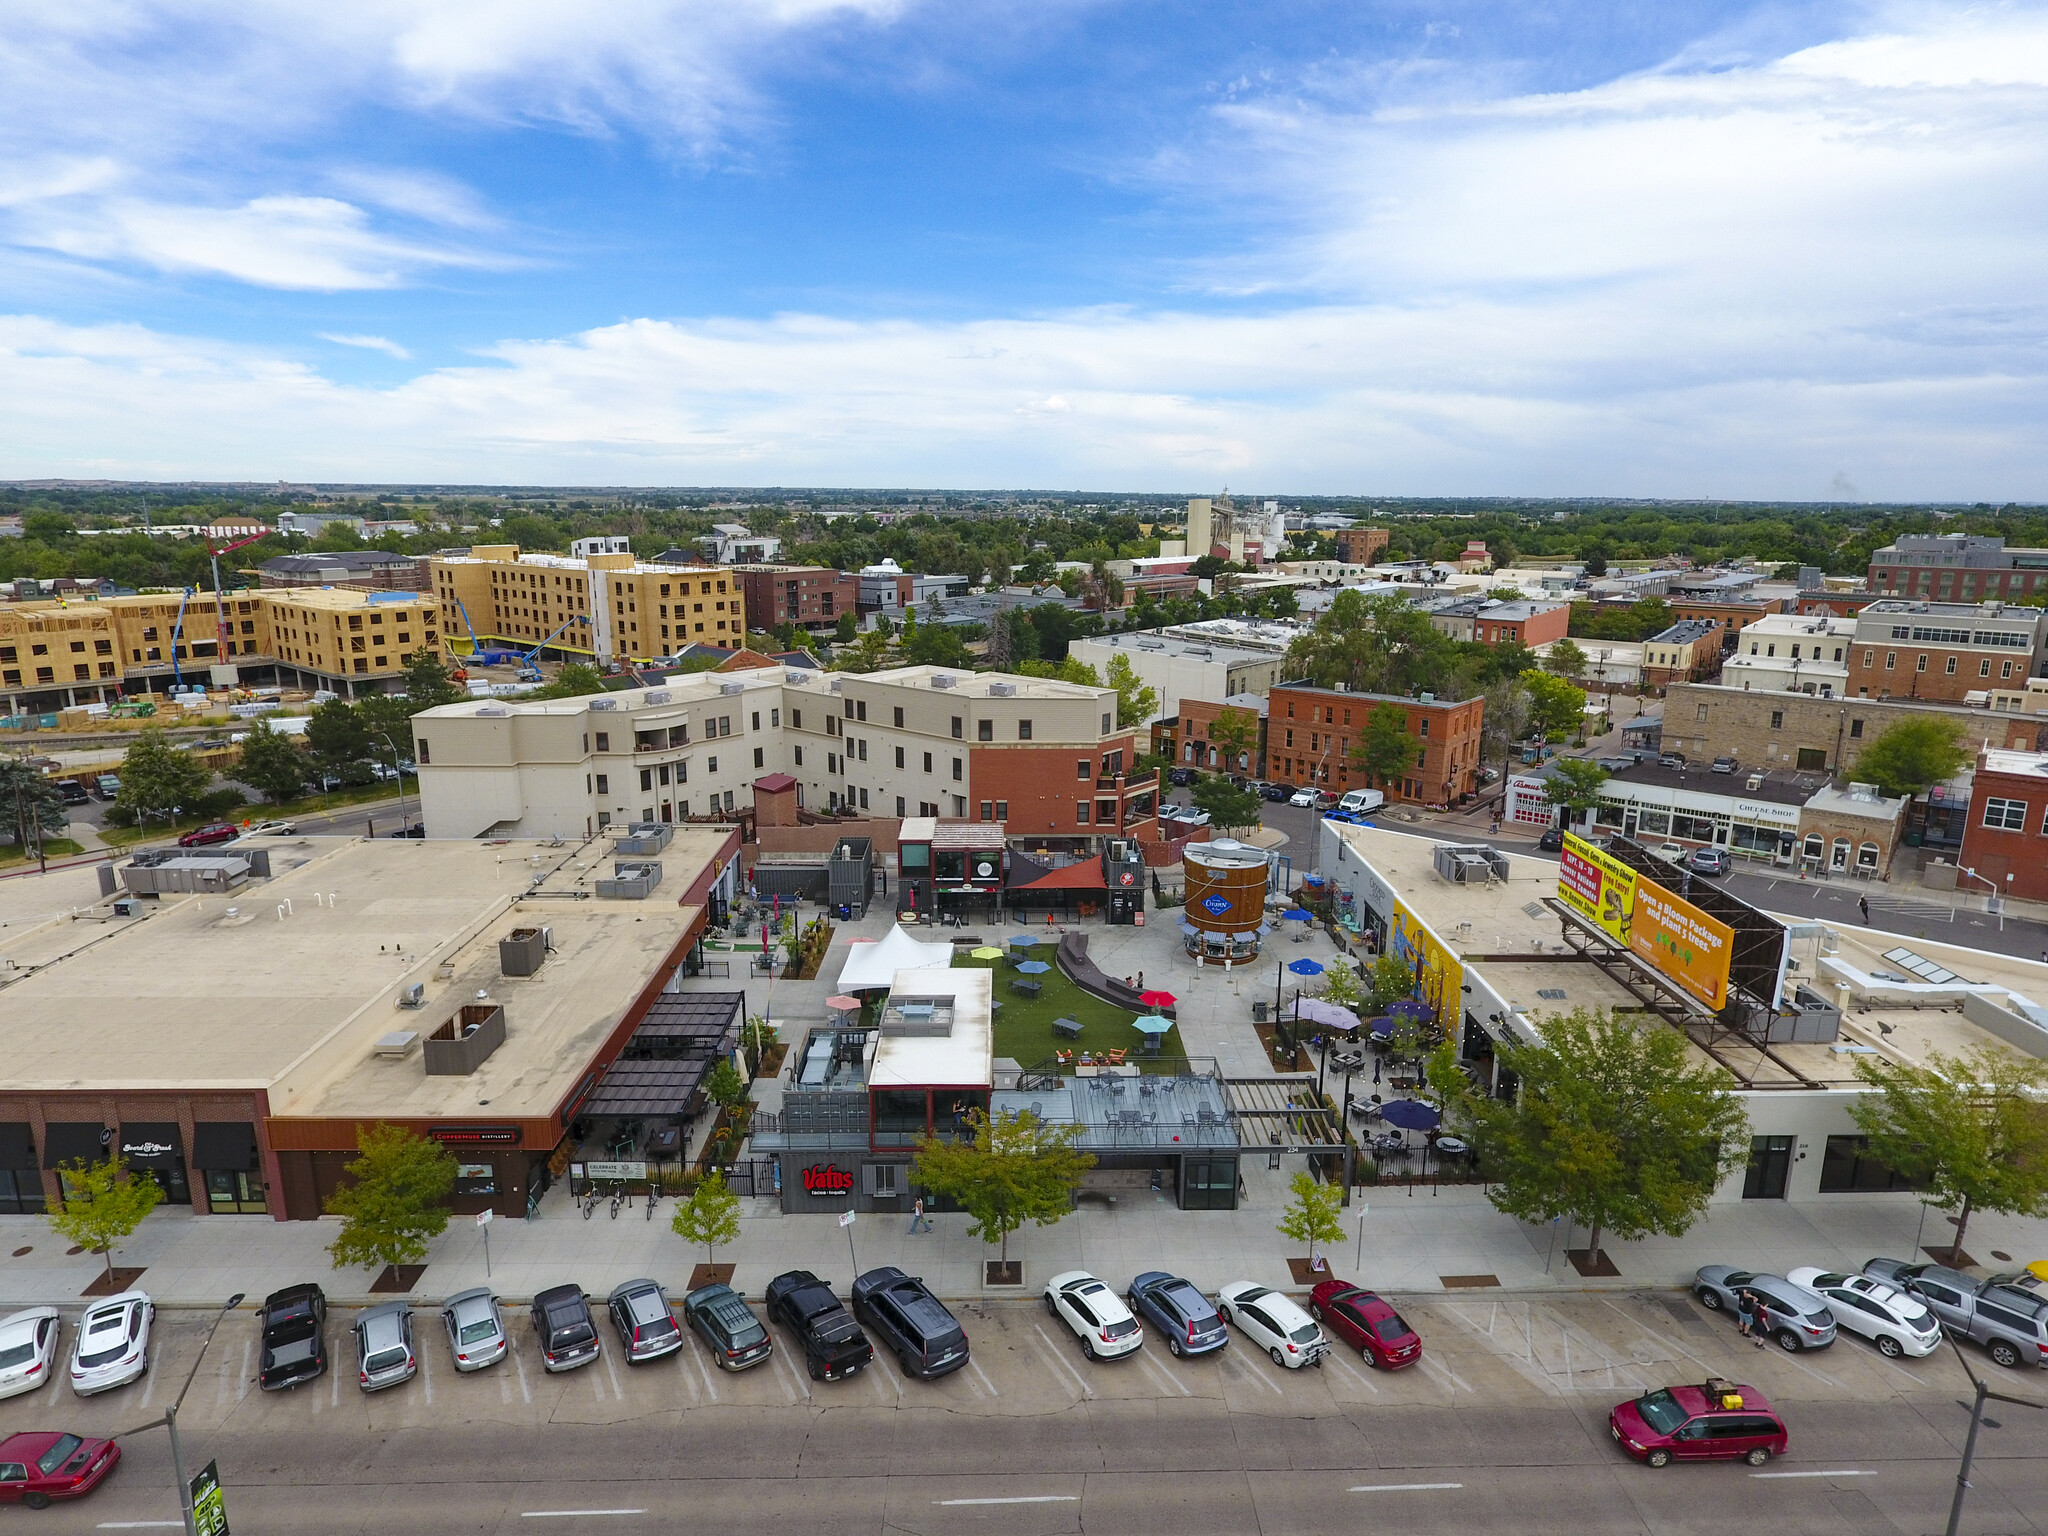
x=618 y=1194
x=588 y=1201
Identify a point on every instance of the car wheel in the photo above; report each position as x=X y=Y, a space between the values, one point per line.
x=1315 y=1310
x=2004 y=1353
x=1788 y=1341
x=1659 y=1458
x=1050 y=1309
x=1173 y=1343
x=1372 y=1361
x=1711 y=1300
x=1889 y=1347
x=903 y=1363
x=1224 y=1313
x=1278 y=1358
x=1088 y=1348
x=1757 y=1457
x=816 y=1374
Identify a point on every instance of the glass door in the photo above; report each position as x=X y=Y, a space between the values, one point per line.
x=1770 y=1167
x=236 y=1192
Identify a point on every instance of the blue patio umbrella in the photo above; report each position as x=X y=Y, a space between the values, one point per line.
x=1382 y=1029
x=1409 y=1008
x=1299 y=915
x=1025 y=941
x=1152 y=1024
x=1305 y=967
x=1034 y=967
x=1411 y=1114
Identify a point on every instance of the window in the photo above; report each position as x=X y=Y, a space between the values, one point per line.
x=1424 y=722
x=984 y=730
x=798 y=754
x=2005 y=815
x=1023 y=730
x=1081 y=812
x=1983 y=667
x=1002 y=810
x=1700 y=710
x=1084 y=769
x=863 y=799
x=604 y=783
x=861 y=748
x=1866 y=856
x=860 y=709
x=1855 y=730
x=604 y=741
x=988 y=810
x=759 y=758
x=956 y=729
x=425 y=755
x=958 y=775
x=899 y=719
x=796 y=719
x=1846 y=1166
x=1105 y=724
x=1777 y=719
x=1922 y=666
x=927 y=762
x=899 y=757
x=1891 y=659
x=899 y=805
x=1952 y=666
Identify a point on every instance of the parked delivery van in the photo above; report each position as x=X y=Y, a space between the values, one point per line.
x=1362 y=802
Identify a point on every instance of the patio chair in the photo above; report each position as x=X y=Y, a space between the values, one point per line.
x=1116 y=1058
x=1064 y=1058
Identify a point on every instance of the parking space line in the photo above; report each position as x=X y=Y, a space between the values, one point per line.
x=1431 y=1363
x=974 y=1365
x=1333 y=1358
x=140 y=1525
x=703 y=1372
x=612 y=1371
x=1663 y=1339
x=1022 y=1498
x=149 y=1379
x=786 y=1373
x=573 y=1514
x=1157 y=1369
x=878 y=1372
x=427 y=1374
x=1065 y=1369
x=242 y=1383
x=1840 y=1472
x=596 y=1383
x=1244 y=1368
x=334 y=1393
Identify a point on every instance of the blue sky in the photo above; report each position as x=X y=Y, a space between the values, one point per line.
x=1676 y=250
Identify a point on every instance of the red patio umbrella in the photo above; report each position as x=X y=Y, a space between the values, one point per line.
x=1156 y=999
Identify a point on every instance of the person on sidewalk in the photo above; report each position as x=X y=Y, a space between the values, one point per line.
x=919 y=1222
x=1863 y=906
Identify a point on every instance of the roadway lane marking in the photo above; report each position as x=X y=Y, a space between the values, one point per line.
x=573 y=1514
x=1404 y=1487
x=1333 y=1358
x=1844 y=1472
x=1029 y=1498
x=975 y=1366
x=1065 y=1369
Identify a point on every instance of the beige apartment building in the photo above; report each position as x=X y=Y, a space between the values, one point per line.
x=1044 y=756
x=606 y=607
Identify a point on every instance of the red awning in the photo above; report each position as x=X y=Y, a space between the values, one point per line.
x=1085 y=876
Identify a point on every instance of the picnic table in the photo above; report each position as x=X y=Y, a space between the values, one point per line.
x=1066 y=1029
x=1026 y=988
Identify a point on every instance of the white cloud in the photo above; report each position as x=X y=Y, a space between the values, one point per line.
x=369 y=343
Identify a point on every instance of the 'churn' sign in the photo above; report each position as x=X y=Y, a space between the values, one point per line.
x=824 y=1179
x=1216 y=906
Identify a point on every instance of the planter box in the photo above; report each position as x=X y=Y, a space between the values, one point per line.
x=466 y=1041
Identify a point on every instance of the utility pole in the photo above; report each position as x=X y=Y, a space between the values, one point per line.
x=1955 y=1509
x=170 y=1420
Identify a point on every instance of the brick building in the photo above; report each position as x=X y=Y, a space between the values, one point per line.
x=1530 y=624
x=1851 y=831
x=1686 y=652
x=1733 y=614
x=1838 y=604
x=1944 y=650
x=2006 y=838
x=1361 y=546
x=1771 y=730
x=813 y=596
x=1185 y=735
x=1310 y=732
x=1956 y=567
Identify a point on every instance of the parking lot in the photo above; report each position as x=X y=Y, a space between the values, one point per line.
x=1512 y=1391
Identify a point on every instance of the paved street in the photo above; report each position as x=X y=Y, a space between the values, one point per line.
x=1501 y=1428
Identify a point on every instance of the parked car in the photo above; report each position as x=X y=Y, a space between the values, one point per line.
x=1100 y=1320
x=561 y=1319
x=1708 y=861
x=905 y=1316
x=476 y=1329
x=724 y=1321
x=213 y=832
x=1895 y=1322
x=1793 y=1316
x=1367 y=1323
x=1277 y=792
x=1723 y=765
x=111 y=1348
x=1185 y=1318
x=1182 y=775
x=834 y=1346
x=28 y=1349
x=647 y=1327
x=71 y=792
x=384 y=1352
x=270 y=829
x=107 y=785
x=1670 y=759
x=1273 y=1322
x=2009 y=1321
x=42 y=1465
x=1552 y=840
x=293 y=1324
x=1715 y=1422
x=1304 y=797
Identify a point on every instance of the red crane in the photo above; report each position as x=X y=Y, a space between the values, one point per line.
x=221 y=643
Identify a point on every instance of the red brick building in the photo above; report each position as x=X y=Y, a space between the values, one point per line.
x=1841 y=605
x=810 y=595
x=2006 y=837
x=1310 y=732
x=1732 y=614
x=1065 y=790
x=1530 y=624
x=1185 y=737
x=1361 y=546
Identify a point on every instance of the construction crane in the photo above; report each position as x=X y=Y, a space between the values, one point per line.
x=221 y=643
x=528 y=672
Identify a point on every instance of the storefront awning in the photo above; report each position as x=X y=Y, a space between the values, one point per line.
x=17 y=1144
x=1085 y=876
x=150 y=1143
x=226 y=1146
x=71 y=1141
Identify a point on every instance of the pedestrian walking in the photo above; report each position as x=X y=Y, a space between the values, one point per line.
x=1141 y=981
x=1863 y=906
x=919 y=1222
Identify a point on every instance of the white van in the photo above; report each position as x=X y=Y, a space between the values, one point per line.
x=1362 y=802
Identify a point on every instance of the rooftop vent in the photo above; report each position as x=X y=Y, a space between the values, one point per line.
x=732 y=687
x=597 y=704
x=1002 y=690
x=466 y=1041
x=398 y=1044
x=494 y=710
x=941 y=680
x=838 y=685
x=659 y=696
x=523 y=951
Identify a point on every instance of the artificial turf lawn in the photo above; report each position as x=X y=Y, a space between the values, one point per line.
x=1024 y=1025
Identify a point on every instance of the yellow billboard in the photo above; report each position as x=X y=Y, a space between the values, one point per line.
x=1683 y=944
x=1440 y=975
x=1596 y=887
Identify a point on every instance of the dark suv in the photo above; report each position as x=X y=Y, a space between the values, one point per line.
x=910 y=1320
x=562 y=1322
x=834 y=1346
x=724 y=1321
x=294 y=1343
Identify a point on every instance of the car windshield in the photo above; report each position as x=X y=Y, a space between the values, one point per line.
x=1661 y=1412
x=1390 y=1329
x=1306 y=1335
x=58 y=1454
x=384 y=1360
x=478 y=1331
x=104 y=1356
x=21 y=1354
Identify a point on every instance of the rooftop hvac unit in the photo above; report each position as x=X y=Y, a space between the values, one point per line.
x=1002 y=690
x=598 y=704
x=658 y=695
x=494 y=711
x=732 y=687
x=414 y=996
x=1199 y=650
x=838 y=685
x=941 y=680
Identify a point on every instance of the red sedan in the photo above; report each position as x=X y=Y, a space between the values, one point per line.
x=1366 y=1322
x=46 y=1464
x=207 y=836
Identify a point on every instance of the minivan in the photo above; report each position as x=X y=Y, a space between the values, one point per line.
x=2011 y=1323
x=904 y=1316
x=1362 y=802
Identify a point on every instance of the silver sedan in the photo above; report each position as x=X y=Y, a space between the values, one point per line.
x=476 y=1329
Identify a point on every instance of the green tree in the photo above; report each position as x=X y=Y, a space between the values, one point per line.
x=272 y=763
x=427 y=683
x=1014 y=1168
x=1611 y=1127
x=1574 y=783
x=157 y=779
x=846 y=629
x=1072 y=670
x=1912 y=756
x=1226 y=804
x=337 y=738
x=1377 y=644
x=1384 y=751
x=1311 y=1216
x=1235 y=734
x=1565 y=659
x=1505 y=722
x=396 y=1201
x=1972 y=1130
x=711 y=1215
x=1389 y=982
x=29 y=803
x=102 y=1204
x=1556 y=708
x=575 y=681
x=1135 y=703
x=724 y=1086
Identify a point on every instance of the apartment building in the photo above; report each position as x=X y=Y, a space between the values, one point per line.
x=1789 y=653
x=1044 y=757
x=1811 y=733
x=1186 y=736
x=1176 y=667
x=1956 y=567
x=612 y=608
x=1362 y=546
x=1944 y=650
x=1733 y=614
x=55 y=655
x=1310 y=732
x=814 y=596
x=2006 y=837
x=1684 y=653
x=1521 y=623
x=370 y=570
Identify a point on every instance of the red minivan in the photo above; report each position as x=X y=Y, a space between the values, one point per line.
x=1717 y=1421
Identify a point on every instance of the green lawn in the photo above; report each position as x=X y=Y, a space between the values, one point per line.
x=1024 y=1025
x=53 y=848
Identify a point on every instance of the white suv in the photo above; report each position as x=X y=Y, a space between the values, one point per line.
x=1896 y=1323
x=1098 y=1316
x=1273 y=1322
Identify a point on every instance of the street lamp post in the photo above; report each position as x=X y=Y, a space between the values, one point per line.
x=170 y=1419
x=396 y=768
x=1955 y=1509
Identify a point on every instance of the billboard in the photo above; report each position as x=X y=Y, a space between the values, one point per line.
x=1681 y=943
x=1600 y=889
x=1440 y=974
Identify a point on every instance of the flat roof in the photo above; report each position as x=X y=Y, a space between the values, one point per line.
x=1779 y=786
x=239 y=992
x=964 y=1057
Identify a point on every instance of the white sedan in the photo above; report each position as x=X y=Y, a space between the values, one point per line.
x=28 y=1349
x=1898 y=1324
x=1098 y=1316
x=1273 y=1322
x=112 y=1347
